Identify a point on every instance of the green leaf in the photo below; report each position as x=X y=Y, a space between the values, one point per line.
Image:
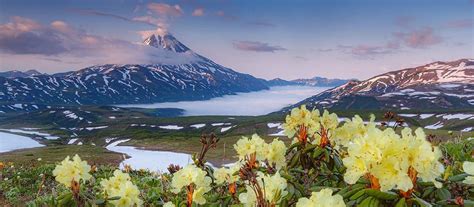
x=401 y=203
x=458 y=178
x=443 y=194
x=352 y=192
x=358 y=194
x=113 y=198
x=366 y=202
x=309 y=148
x=100 y=202
x=428 y=191
x=317 y=152
x=421 y=202
x=381 y=195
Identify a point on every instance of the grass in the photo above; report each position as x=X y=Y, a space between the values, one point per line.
x=55 y=154
x=185 y=140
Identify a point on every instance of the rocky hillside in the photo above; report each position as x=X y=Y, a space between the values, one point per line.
x=438 y=85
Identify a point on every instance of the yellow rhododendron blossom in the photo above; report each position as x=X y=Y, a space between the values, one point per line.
x=248 y=199
x=323 y=198
x=329 y=120
x=275 y=153
x=388 y=157
x=226 y=175
x=121 y=185
x=301 y=117
x=72 y=170
x=422 y=156
x=192 y=175
x=246 y=146
x=468 y=168
x=274 y=187
x=352 y=129
x=378 y=154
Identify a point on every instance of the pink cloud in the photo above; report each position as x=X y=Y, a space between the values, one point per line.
x=256 y=46
x=419 y=38
x=198 y=12
x=163 y=9
x=462 y=23
x=226 y=16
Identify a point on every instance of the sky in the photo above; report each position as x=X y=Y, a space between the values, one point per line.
x=267 y=39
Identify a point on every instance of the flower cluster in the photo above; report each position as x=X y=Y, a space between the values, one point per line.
x=391 y=161
x=74 y=170
x=351 y=129
x=274 y=188
x=121 y=185
x=301 y=117
x=323 y=198
x=195 y=180
x=468 y=168
x=227 y=175
x=274 y=152
x=310 y=124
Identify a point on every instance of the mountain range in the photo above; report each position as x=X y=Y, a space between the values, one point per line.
x=19 y=74
x=193 y=77
x=438 y=85
x=315 y=81
x=183 y=74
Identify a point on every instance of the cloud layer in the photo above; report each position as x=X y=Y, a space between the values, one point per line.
x=256 y=46
x=60 y=42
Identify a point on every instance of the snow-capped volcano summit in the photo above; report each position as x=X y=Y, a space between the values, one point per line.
x=176 y=74
x=167 y=42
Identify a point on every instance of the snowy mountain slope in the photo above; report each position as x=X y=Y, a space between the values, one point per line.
x=315 y=81
x=19 y=74
x=196 y=78
x=435 y=85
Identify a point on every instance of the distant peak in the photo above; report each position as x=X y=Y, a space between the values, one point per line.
x=166 y=41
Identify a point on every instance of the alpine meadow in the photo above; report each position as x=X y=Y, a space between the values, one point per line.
x=187 y=103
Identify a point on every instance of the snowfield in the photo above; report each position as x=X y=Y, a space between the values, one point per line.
x=171 y=127
x=198 y=126
x=437 y=125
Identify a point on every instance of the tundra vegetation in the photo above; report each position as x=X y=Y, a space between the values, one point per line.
x=328 y=163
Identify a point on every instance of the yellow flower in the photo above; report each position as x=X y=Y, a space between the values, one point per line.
x=72 y=170
x=274 y=188
x=198 y=195
x=422 y=156
x=226 y=175
x=275 y=153
x=352 y=129
x=390 y=158
x=329 y=120
x=468 y=168
x=246 y=146
x=121 y=185
x=323 y=198
x=192 y=175
x=248 y=199
x=301 y=117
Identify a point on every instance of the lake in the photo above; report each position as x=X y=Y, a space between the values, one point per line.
x=10 y=142
x=242 y=104
x=147 y=159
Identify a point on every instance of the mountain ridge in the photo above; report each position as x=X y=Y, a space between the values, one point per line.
x=437 y=85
